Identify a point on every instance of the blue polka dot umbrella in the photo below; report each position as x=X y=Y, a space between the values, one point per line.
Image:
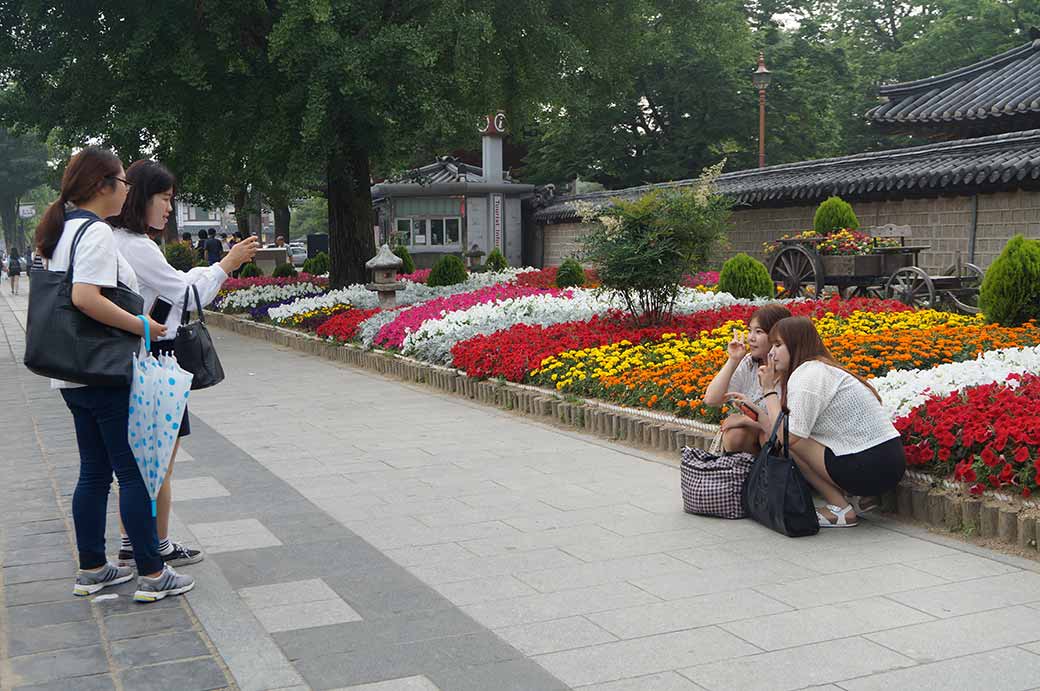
x=158 y=396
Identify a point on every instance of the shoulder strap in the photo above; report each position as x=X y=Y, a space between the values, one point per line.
x=198 y=305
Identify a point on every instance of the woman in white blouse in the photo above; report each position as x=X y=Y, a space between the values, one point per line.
x=143 y=216
x=841 y=438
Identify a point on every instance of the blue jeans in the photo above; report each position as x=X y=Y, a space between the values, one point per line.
x=101 y=415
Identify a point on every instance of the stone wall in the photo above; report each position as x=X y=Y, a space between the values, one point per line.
x=942 y=223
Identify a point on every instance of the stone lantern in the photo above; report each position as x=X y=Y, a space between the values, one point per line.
x=473 y=256
x=384 y=276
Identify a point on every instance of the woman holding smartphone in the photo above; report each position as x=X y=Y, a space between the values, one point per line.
x=92 y=188
x=143 y=217
x=740 y=432
x=842 y=440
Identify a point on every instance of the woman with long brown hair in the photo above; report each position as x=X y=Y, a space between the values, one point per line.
x=841 y=438
x=738 y=378
x=93 y=188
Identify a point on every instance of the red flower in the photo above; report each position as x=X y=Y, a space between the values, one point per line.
x=1022 y=455
x=989 y=458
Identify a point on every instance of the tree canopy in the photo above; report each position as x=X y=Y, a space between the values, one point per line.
x=23 y=166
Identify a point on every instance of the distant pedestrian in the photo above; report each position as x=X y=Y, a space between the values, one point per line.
x=214 y=250
x=200 y=246
x=14 y=269
x=186 y=239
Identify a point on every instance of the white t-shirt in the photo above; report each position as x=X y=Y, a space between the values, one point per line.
x=157 y=277
x=98 y=263
x=834 y=408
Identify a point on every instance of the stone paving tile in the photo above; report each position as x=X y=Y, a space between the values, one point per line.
x=961 y=566
x=669 y=681
x=417 y=683
x=784 y=670
x=146 y=621
x=202 y=487
x=509 y=675
x=600 y=573
x=478 y=567
x=677 y=615
x=38 y=592
x=137 y=652
x=552 y=636
x=819 y=624
x=26 y=641
x=59 y=664
x=31 y=616
x=303 y=615
x=1011 y=669
x=691 y=581
x=546 y=606
x=878 y=580
x=191 y=675
x=99 y=682
x=974 y=596
x=239 y=535
x=642 y=656
x=964 y=635
x=484 y=590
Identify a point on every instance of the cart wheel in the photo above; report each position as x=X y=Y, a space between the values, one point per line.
x=799 y=271
x=911 y=286
x=966 y=298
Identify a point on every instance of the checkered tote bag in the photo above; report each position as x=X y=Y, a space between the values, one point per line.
x=712 y=484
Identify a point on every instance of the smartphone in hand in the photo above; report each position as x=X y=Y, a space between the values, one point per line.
x=160 y=309
x=749 y=410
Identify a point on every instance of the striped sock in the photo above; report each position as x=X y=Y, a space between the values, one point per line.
x=124 y=544
x=165 y=547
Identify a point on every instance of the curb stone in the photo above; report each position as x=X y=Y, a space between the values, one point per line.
x=945 y=509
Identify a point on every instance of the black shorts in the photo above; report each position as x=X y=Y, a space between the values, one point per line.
x=166 y=348
x=871 y=472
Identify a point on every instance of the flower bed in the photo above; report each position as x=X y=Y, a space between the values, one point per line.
x=985 y=435
x=930 y=367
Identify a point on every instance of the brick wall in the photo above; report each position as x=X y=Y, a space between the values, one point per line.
x=942 y=223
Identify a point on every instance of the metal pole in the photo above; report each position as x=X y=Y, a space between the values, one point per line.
x=761 y=128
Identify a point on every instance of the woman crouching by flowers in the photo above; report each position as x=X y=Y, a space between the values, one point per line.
x=739 y=376
x=841 y=438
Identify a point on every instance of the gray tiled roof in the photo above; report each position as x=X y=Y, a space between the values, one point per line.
x=1003 y=161
x=448 y=169
x=1006 y=86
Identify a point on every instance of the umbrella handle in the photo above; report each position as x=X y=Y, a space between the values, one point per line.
x=147 y=333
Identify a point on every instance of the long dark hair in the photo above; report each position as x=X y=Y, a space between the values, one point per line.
x=803 y=343
x=87 y=173
x=147 y=178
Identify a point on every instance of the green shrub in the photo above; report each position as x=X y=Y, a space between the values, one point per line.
x=317 y=265
x=834 y=214
x=250 y=270
x=1010 y=293
x=570 y=274
x=284 y=271
x=496 y=261
x=402 y=252
x=641 y=249
x=180 y=256
x=448 y=271
x=746 y=277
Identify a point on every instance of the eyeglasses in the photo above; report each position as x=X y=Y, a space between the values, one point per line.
x=122 y=180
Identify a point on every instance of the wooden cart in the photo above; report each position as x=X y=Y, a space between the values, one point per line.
x=888 y=272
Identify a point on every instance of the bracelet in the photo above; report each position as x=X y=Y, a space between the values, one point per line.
x=768 y=393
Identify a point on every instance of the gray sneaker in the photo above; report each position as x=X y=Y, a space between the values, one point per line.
x=89 y=582
x=169 y=582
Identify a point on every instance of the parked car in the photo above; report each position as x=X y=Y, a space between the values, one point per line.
x=298 y=252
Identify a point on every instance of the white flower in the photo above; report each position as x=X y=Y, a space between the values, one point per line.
x=247 y=298
x=903 y=390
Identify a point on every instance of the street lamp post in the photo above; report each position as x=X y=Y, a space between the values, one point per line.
x=760 y=78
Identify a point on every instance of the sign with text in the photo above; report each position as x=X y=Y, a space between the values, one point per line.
x=26 y=210
x=496 y=219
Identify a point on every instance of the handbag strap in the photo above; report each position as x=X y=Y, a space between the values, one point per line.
x=776 y=428
x=198 y=305
x=91 y=219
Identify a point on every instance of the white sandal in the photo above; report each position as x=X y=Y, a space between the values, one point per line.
x=839 y=515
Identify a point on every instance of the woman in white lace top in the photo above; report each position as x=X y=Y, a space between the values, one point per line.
x=841 y=438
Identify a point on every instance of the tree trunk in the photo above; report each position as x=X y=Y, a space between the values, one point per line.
x=9 y=219
x=242 y=211
x=281 y=221
x=351 y=240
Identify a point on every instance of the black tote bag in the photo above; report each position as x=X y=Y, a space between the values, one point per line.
x=776 y=494
x=64 y=343
x=193 y=347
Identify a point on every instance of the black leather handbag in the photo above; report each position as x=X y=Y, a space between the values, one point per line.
x=193 y=347
x=776 y=494
x=64 y=343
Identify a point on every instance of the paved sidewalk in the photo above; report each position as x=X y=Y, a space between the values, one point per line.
x=363 y=533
